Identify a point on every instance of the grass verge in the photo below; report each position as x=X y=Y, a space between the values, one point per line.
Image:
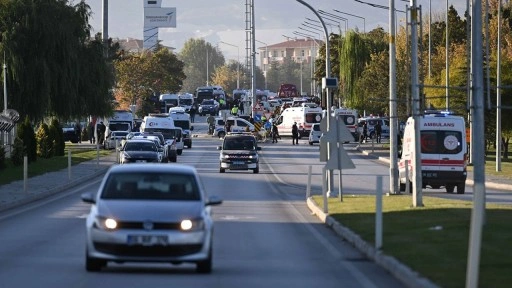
x=432 y=240
x=41 y=166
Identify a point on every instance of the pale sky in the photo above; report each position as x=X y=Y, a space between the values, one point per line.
x=224 y=20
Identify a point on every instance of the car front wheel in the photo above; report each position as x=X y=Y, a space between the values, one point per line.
x=93 y=264
x=205 y=266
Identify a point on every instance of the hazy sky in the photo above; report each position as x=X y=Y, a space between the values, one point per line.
x=224 y=20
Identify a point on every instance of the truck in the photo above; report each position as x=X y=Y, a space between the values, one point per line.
x=182 y=120
x=287 y=90
x=170 y=100
x=443 y=152
x=162 y=122
x=121 y=120
x=305 y=117
x=185 y=101
x=203 y=93
x=349 y=118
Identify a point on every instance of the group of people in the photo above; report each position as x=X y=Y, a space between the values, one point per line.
x=377 y=129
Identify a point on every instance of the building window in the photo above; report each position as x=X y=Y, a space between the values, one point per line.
x=302 y=53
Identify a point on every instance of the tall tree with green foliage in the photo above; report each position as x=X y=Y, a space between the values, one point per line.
x=199 y=67
x=54 y=76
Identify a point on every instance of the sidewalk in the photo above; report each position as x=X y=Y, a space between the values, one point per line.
x=13 y=195
x=382 y=154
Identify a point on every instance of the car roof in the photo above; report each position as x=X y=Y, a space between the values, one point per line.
x=153 y=167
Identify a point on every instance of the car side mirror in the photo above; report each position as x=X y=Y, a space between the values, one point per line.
x=219 y=147
x=88 y=198
x=258 y=148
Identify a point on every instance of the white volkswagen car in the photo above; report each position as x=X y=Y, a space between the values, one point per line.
x=150 y=213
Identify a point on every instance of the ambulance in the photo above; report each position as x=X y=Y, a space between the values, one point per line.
x=349 y=118
x=162 y=122
x=443 y=152
x=304 y=116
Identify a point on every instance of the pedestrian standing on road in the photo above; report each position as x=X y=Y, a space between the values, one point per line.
x=295 y=134
x=365 y=132
x=274 y=132
x=378 y=131
x=211 y=124
x=234 y=110
x=192 y=113
x=241 y=107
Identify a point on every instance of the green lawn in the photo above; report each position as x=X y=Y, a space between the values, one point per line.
x=41 y=166
x=440 y=255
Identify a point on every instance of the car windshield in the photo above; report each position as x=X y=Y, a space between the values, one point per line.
x=239 y=143
x=140 y=146
x=151 y=186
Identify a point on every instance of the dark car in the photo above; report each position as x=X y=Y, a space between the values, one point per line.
x=69 y=134
x=139 y=151
x=239 y=152
x=209 y=107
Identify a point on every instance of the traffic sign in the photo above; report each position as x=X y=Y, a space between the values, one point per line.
x=257 y=118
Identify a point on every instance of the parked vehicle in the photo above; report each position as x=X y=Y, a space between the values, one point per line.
x=443 y=152
x=116 y=137
x=236 y=124
x=305 y=117
x=315 y=134
x=182 y=120
x=349 y=118
x=209 y=106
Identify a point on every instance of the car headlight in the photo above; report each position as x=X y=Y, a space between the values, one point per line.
x=105 y=223
x=125 y=156
x=253 y=156
x=224 y=156
x=192 y=225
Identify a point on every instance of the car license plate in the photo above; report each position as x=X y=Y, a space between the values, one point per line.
x=140 y=161
x=238 y=162
x=147 y=240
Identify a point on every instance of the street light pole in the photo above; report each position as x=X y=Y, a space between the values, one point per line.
x=5 y=84
x=237 y=64
x=265 y=59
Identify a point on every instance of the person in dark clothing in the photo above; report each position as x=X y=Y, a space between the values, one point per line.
x=274 y=132
x=90 y=131
x=78 y=132
x=192 y=112
x=241 y=107
x=378 y=131
x=101 y=132
x=364 y=136
x=295 y=134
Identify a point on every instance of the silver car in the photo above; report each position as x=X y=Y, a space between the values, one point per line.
x=150 y=213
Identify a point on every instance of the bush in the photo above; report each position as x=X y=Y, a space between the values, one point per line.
x=44 y=142
x=26 y=133
x=2 y=157
x=57 y=138
x=17 y=152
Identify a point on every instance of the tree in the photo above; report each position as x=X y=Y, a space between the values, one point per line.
x=199 y=67
x=57 y=76
x=140 y=76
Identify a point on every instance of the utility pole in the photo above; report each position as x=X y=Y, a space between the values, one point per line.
x=393 y=129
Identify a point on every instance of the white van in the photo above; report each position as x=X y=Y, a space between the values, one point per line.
x=237 y=125
x=162 y=122
x=182 y=120
x=304 y=116
x=349 y=118
x=443 y=152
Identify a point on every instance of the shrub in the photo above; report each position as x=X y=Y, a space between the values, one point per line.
x=17 y=152
x=44 y=142
x=2 y=157
x=26 y=133
x=57 y=138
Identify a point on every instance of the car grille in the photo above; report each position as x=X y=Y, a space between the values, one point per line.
x=156 y=226
x=147 y=251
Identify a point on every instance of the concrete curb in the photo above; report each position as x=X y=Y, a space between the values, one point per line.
x=53 y=191
x=400 y=271
x=488 y=184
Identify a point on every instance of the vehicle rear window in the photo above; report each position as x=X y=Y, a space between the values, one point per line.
x=313 y=117
x=151 y=186
x=441 y=142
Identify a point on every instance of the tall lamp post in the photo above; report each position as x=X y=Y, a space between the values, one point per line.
x=264 y=59
x=237 y=63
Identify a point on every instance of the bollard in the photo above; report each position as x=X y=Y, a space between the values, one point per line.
x=117 y=151
x=69 y=164
x=308 y=189
x=324 y=188
x=378 y=214
x=25 y=173
x=97 y=155
x=407 y=186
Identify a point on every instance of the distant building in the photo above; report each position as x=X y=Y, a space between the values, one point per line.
x=305 y=50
